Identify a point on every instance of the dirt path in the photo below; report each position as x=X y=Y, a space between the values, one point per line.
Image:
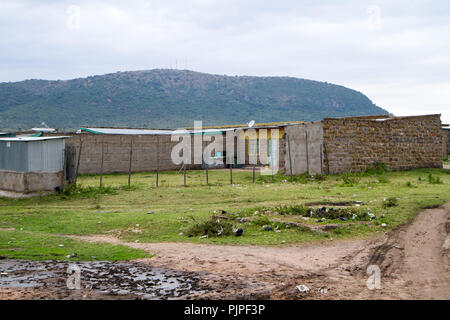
x=413 y=261
x=241 y=260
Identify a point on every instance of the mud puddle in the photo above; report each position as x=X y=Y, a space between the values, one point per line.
x=129 y=280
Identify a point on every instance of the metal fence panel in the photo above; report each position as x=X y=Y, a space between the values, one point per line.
x=13 y=156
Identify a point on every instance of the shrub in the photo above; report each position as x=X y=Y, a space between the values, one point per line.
x=302 y=178
x=211 y=228
x=350 y=178
x=434 y=180
x=377 y=168
x=262 y=221
x=89 y=191
x=383 y=179
x=410 y=185
x=390 y=202
x=320 y=177
x=294 y=210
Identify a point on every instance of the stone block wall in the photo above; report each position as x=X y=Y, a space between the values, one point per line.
x=446 y=146
x=117 y=153
x=401 y=143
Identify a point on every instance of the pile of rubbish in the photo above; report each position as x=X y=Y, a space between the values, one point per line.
x=343 y=214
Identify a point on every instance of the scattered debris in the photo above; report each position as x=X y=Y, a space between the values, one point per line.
x=323 y=290
x=238 y=232
x=302 y=288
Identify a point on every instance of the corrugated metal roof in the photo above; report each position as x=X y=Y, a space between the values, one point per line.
x=31 y=139
x=256 y=125
x=46 y=130
x=152 y=131
x=126 y=131
x=209 y=131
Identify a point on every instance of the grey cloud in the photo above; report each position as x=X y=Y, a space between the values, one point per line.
x=327 y=40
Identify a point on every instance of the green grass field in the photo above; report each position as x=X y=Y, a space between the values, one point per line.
x=33 y=228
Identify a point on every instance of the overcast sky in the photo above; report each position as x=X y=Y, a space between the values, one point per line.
x=395 y=52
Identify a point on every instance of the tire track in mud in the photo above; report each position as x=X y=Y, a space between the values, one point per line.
x=413 y=260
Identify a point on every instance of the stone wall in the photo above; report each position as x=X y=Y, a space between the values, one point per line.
x=145 y=147
x=446 y=146
x=117 y=153
x=401 y=143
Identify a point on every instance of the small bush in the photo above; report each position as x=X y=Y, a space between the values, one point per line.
x=129 y=187
x=409 y=184
x=211 y=228
x=79 y=190
x=320 y=177
x=434 y=180
x=350 y=179
x=294 y=210
x=383 y=179
x=302 y=178
x=377 y=168
x=262 y=221
x=390 y=202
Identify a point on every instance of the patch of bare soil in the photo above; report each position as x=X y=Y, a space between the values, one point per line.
x=413 y=260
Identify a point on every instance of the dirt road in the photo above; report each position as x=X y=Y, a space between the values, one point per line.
x=413 y=261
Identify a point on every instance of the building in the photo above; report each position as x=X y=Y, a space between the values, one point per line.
x=333 y=145
x=32 y=164
x=446 y=135
x=6 y=134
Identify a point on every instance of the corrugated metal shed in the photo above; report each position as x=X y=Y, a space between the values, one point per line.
x=32 y=154
x=6 y=134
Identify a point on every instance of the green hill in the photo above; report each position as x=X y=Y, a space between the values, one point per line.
x=162 y=98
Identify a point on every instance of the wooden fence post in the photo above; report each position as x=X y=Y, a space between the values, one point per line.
x=78 y=161
x=290 y=158
x=101 y=167
x=131 y=158
x=306 y=145
x=157 y=161
x=231 y=172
